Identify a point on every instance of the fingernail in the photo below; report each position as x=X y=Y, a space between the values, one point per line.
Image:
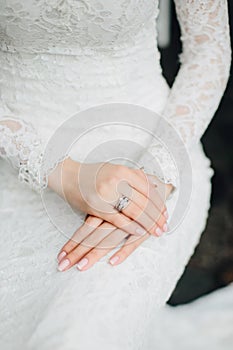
x=82 y=263
x=140 y=231
x=158 y=231
x=63 y=264
x=114 y=260
x=165 y=214
x=61 y=256
x=165 y=227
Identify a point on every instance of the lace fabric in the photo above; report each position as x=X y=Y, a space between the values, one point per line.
x=199 y=85
x=74 y=27
x=21 y=146
x=196 y=92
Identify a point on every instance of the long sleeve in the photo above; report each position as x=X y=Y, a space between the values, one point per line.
x=21 y=146
x=200 y=82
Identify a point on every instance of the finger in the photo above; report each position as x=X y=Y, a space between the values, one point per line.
x=137 y=214
x=128 y=248
x=90 y=224
x=157 y=189
x=102 y=249
x=139 y=225
x=121 y=221
x=163 y=189
x=158 y=197
x=134 y=220
x=92 y=240
x=157 y=192
x=144 y=184
x=138 y=205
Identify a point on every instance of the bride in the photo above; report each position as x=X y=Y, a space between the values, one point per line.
x=61 y=57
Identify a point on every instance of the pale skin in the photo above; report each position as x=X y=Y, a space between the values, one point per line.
x=94 y=189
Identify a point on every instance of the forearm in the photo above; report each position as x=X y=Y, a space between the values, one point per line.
x=198 y=87
x=205 y=67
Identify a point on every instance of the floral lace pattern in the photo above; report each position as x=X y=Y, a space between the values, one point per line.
x=205 y=58
x=70 y=26
x=205 y=66
x=201 y=80
x=21 y=146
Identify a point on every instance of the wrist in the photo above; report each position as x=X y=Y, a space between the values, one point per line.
x=63 y=179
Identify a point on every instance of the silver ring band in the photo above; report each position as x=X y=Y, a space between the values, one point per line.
x=121 y=203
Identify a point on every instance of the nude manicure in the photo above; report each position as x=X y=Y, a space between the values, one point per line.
x=82 y=263
x=114 y=260
x=61 y=256
x=63 y=264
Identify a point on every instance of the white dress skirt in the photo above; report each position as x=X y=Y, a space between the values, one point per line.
x=46 y=77
x=106 y=306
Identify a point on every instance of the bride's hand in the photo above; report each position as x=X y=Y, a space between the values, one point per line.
x=93 y=240
x=94 y=189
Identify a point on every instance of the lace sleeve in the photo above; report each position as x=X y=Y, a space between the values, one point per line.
x=21 y=146
x=201 y=80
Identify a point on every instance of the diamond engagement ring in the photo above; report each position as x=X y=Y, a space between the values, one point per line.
x=121 y=203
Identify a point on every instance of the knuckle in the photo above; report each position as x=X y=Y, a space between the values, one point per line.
x=112 y=180
x=101 y=187
x=121 y=171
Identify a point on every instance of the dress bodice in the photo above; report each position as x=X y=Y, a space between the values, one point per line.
x=58 y=57
x=66 y=26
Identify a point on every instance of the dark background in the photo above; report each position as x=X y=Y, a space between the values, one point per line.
x=211 y=266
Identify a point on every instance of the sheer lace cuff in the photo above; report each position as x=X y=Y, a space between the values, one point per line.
x=21 y=146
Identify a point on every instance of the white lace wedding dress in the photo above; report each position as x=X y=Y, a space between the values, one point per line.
x=59 y=57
